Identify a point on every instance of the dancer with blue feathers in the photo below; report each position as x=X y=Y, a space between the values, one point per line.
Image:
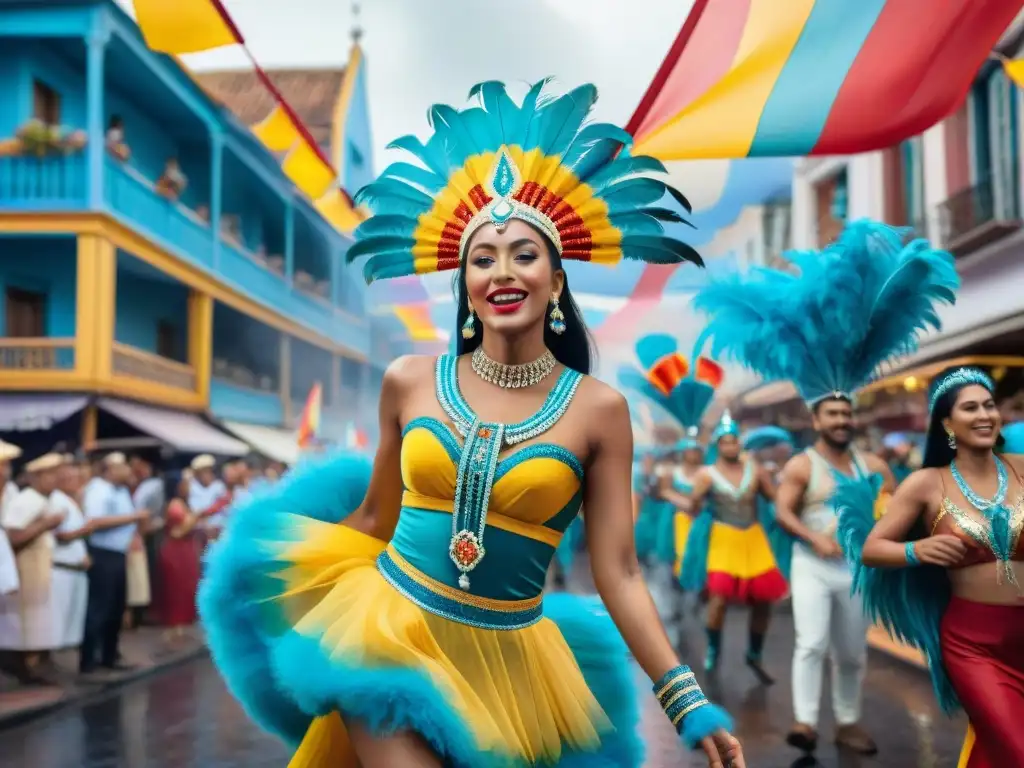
x=827 y=326
x=941 y=569
x=416 y=631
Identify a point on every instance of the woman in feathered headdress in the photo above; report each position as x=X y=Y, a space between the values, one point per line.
x=941 y=569
x=827 y=326
x=416 y=632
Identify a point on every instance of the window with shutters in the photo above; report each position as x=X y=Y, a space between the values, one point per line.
x=45 y=103
x=26 y=313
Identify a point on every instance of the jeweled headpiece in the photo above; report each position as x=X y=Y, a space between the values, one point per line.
x=537 y=162
x=853 y=306
x=956 y=379
x=726 y=426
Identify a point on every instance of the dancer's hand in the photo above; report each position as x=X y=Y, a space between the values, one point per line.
x=825 y=546
x=941 y=549
x=723 y=751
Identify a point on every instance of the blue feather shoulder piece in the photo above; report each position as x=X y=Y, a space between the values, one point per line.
x=840 y=313
x=907 y=602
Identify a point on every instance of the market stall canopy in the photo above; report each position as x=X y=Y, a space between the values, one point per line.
x=185 y=432
x=276 y=444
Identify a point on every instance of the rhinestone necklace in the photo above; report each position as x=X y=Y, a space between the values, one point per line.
x=512 y=376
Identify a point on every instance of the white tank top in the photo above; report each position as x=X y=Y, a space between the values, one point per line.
x=818 y=514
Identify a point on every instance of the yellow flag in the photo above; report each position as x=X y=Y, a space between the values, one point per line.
x=337 y=211
x=417 y=322
x=1014 y=69
x=277 y=131
x=307 y=171
x=183 y=26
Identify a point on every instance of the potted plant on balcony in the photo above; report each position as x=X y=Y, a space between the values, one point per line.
x=40 y=140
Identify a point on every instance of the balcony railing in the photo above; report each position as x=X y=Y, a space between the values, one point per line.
x=53 y=183
x=981 y=214
x=131 y=194
x=129 y=361
x=37 y=354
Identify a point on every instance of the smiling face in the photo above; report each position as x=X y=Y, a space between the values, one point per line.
x=510 y=279
x=974 y=420
x=833 y=421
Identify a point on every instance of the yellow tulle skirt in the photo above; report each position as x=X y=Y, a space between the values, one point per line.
x=741 y=566
x=309 y=635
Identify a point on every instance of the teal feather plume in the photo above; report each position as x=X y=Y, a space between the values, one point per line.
x=378 y=244
x=688 y=401
x=637 y=222
x=385 y=266
x=853 y=306
x=414 y=174
x=908 y=602
x=760 y=438
x=430 y=154
x=658 y=250
x=653 y=347
x=375 y=226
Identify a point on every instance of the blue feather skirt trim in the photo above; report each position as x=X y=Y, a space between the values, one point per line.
x=308 y=635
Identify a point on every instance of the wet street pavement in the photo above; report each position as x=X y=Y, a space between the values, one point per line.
x=184 y=718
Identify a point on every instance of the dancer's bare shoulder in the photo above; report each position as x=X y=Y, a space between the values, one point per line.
x=797 y=470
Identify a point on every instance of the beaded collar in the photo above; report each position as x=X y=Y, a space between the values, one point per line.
x=479 y=456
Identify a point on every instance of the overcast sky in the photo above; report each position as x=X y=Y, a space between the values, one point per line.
x=420 y=52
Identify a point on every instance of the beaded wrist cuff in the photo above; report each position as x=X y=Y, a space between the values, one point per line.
x=912 y=559
x=679 y=694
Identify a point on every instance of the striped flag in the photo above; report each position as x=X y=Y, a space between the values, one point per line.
x=749 y=78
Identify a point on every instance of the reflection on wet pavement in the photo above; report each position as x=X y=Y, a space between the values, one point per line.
x=185 y=718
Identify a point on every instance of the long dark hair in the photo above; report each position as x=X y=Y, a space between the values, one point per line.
x=937 y=452
x=574 y=348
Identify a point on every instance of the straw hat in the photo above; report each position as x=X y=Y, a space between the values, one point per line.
x=45 y=462
x=9 y=451
x=205 y=461
x=114 y=459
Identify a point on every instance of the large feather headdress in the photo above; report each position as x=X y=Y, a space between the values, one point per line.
x=538 y=162
x=851 y=307
x=670 y=381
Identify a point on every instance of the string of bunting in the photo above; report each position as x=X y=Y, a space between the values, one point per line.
x=195 y=26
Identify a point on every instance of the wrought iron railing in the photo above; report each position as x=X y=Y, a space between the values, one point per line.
x=129 y=361
x=981 y=213
x=37 y=354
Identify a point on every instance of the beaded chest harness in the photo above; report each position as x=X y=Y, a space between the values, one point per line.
x=483 y=443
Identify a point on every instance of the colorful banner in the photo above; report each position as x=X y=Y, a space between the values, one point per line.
x=749 y=78
x=193 y=26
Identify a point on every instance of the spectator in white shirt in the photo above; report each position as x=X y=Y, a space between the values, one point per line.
x=8 y=490
x=26 y=618
x=108 y=505
x=207 y=495
x=71 y=557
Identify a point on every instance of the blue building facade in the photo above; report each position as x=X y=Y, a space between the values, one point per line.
x=152 y=249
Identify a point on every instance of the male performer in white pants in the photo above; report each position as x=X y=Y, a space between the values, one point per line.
x=825 y=613
x=828 y=325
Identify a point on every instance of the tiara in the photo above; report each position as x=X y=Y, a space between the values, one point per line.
x=961 y=377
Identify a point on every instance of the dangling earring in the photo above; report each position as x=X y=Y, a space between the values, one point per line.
x=557 y=322
x=469 y=327
x=951 y=439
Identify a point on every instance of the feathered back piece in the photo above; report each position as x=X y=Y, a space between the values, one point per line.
x=538 y=162
x=853 y=306
x=759 y=438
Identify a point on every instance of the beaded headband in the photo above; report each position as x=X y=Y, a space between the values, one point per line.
x=961 y=377
x=539 y=162
x=726 y=426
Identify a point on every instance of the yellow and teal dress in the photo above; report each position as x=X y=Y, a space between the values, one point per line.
x=443 y=630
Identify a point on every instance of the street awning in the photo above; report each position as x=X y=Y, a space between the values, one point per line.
x=277 y=444
x=185 y=432
x=27 y=413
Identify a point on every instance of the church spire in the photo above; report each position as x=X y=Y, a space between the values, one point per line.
x=357 y=30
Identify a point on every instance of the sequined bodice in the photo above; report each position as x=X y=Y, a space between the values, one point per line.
x=731 y=504
x=953 y=520
x=491 y=485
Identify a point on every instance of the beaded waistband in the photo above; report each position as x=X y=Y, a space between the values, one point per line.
x=455 y=604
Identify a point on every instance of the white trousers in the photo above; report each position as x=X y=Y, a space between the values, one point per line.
x=826 y=616
x=69 y=602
